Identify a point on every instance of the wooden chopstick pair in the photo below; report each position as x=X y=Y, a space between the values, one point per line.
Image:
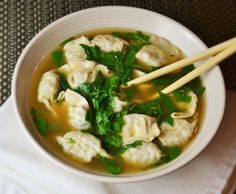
x=219 y=53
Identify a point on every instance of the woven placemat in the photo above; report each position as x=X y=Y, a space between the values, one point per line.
x=212 y=20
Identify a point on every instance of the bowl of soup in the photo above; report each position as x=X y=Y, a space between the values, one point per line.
x=70 y=95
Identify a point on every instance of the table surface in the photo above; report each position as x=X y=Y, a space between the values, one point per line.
x=212 y=20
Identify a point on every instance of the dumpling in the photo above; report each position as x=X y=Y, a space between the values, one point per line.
x=139 y=127
x=178 y=134
x=85 y=71
x=82 y=146
x=77 y=73
x=151 y=55
x=102 y=68
x=78 y=107
x=119 y=104
x=143 y=155
x=74 y=53
x=48 y=88
x=108 y=43
x=191 y=108
x=170 y=52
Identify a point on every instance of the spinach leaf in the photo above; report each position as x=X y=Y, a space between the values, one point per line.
x=200 y=90
x=124 y=148
x=112 y=142
x=139 y=36
x=167 y=103
x=160 y=108
x=119 y=62
x=58 y=58
x=63 y=82
x=111 y=165
x=128 y=62
x=181 y=95
x=110 y=59
x=171 y=153
x=40 y=122
x=106 y=124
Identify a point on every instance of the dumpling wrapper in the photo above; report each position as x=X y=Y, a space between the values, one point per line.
x=191 y=108
x=143 y=155
x=74 y=53
x=109 y=43
x=119 y=104
x=99 y=67
x=77 y=73
x=170 y=52
x=139 y=127
x=151 y=55
x=178 y=134
x=48 y=88
x=85 y=71
x=78 y=107
x=82 y=146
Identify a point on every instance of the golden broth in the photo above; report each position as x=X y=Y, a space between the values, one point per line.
x=60 y=125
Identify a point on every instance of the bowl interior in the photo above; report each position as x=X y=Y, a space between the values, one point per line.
x=117 y=17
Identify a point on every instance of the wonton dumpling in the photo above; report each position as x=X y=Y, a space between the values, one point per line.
x=102 y=68
x=77 y=73
x=178 y=134
x=82 y=146
x=151 y=55
x=108 y=43
x=77 y=110
x=191 y=108
x=74 y=52
x=139 y=127
x=170 y=52
x=119 y=104
x=48 y=88
x=143 y=155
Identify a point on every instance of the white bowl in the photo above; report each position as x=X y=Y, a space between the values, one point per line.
x=116 y=17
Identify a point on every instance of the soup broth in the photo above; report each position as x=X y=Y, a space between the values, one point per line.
x=57 y=120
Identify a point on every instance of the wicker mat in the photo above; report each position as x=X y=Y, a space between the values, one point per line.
x=212 y=20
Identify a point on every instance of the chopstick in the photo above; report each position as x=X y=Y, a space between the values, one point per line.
x=201 y=69
x=182 y=63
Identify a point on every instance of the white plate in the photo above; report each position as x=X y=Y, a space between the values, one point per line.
x=117 y=17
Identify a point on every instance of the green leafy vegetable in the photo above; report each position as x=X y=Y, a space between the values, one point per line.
x=106 y=124
x=58 y=58
x=124 y=148
x=40 y=122
x=167 y=103
x=161 y=108
x=112 y=142
x=171 y=153
x=70 y=141
x=200 y=90
x=138 y=36
x=119 y=62
x=182 y=95
x=111 y=165
x=63 y=82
